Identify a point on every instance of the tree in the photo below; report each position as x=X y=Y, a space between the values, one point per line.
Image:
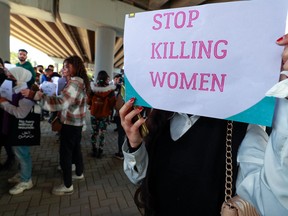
x=13 y=57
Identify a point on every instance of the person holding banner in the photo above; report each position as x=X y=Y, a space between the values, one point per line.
x=8 y=148
x=72 y=106
x=180 y=165
x=19 y=107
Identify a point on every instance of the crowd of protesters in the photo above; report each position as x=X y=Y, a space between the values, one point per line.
x=70 y=105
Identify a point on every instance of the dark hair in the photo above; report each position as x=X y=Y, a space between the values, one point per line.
x=102 y=77
x=117 y=76
x=50 y=65
x=3 y=76
x=2 y=73
x=22 y=50
x=156 y=122
x=80 y=70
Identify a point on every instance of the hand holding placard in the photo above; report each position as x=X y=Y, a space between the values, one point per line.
x=210 y=59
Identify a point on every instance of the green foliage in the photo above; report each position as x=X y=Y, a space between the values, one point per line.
x=13 y=57
x=90 y=74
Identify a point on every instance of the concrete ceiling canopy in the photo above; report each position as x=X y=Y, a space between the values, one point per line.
x=61 y=28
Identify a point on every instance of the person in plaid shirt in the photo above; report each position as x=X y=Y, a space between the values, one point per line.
x=72 y=106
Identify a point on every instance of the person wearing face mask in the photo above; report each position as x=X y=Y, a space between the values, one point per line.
x=71 y=104
x=20 y=108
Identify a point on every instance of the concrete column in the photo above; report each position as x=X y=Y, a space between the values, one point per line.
x=56 y=67
x=5 y=30
x=104 y=50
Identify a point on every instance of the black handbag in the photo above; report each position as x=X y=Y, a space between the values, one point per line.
x=26 y=131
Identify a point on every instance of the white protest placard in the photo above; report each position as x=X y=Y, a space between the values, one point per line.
x=6 y=89
x=49 y=88
x=61 y=84
x=215 y=60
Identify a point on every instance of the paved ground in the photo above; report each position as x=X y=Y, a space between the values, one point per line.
x=105 y=191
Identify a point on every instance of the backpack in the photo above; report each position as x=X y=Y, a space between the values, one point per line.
x=101 y=105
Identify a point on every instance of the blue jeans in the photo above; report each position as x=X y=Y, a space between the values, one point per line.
x=23 y=155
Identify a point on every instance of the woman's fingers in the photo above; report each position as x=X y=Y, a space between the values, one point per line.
x=126 y=109
x=127 y=115
x=285 y=58
x=25 y=92
x=283 y=41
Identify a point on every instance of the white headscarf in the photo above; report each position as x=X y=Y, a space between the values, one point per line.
x=21 y=75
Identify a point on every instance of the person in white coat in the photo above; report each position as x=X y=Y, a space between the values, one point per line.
x=263 y=174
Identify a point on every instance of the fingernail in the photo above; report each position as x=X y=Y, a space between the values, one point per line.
x=132 y=100
x=140 y=108
x=280 y=39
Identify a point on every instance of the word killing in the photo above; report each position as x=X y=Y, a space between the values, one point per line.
x=193 y=50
